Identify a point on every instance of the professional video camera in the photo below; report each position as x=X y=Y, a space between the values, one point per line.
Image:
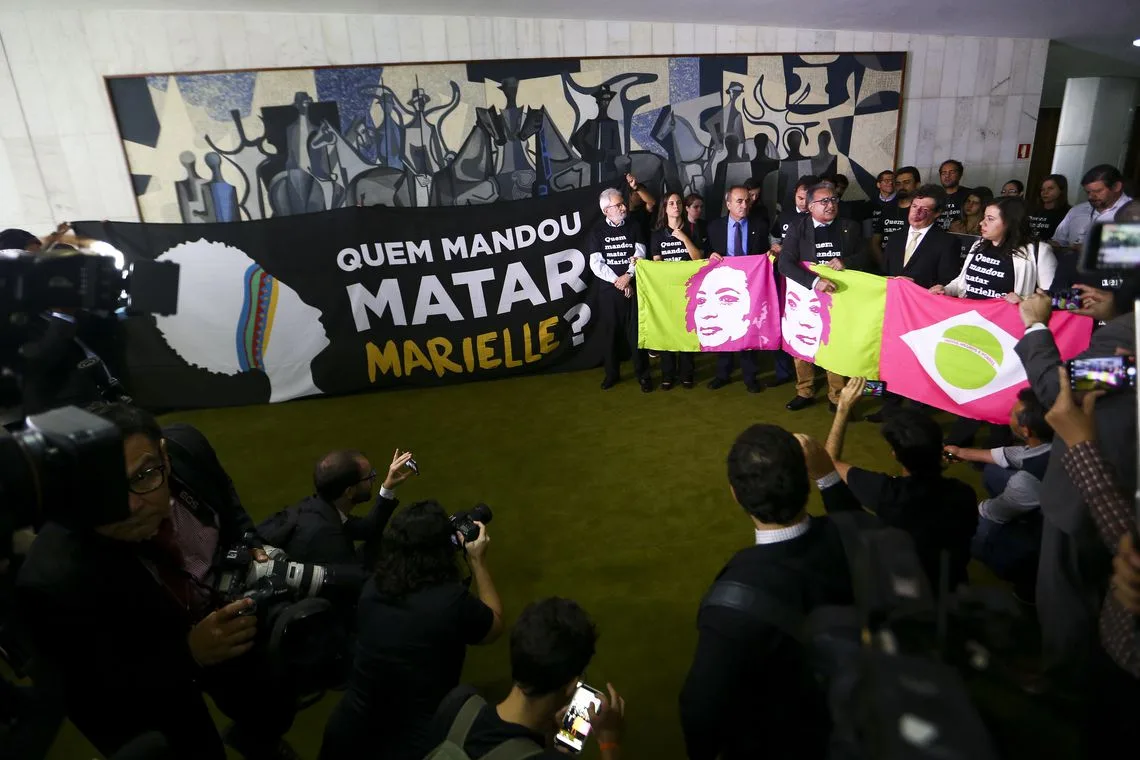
x=463 y=523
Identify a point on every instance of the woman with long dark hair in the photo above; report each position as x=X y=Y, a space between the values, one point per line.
x=414 y=622
x=670 y=242
x=973 y=209
x=1007 y=262
x=1052 y=205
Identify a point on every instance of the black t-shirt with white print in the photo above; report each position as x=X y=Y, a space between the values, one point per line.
x=826 y=243
x=785 y=220
x=616 y=244
x=952 y=210
x=663 y=244
x=892 y=221
x=989 y=274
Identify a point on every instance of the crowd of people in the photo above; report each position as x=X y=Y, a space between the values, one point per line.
x=129 y=651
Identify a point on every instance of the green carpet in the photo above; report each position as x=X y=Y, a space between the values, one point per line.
x=619 y=500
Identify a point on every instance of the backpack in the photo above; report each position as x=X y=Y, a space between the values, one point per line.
x=452 y=747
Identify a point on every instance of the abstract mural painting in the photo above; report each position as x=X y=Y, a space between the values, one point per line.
x=235 y=146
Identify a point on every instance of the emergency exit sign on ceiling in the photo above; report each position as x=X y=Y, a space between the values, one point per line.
x=1023 y=151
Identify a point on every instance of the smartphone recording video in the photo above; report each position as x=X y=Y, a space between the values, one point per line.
x=576 y=723
x=874 y=388
x=1113 y=245
x=1068 y=299
x=1103 y=373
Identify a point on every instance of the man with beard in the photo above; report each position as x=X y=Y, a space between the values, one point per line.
x=1105 y=188
x=321 y=528
x=950 y=174
x=615 y=244
x=896 y=215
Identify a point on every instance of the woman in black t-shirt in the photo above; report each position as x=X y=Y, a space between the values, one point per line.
x=1052 y=207
x=1006 y=263
x=414 y=622
x=670 y=243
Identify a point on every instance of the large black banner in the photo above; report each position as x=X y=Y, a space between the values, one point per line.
x=361 y=298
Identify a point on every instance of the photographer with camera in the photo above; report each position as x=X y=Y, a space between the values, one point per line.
x=1074 y=569
x=750 y=691
x=552 y=642
x=123 y=614
x=322 y=530
x=415 y=619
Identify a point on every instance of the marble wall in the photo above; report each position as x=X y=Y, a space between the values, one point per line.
x=971 y=98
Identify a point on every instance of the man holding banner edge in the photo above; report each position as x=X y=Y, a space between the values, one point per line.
x=818 y=238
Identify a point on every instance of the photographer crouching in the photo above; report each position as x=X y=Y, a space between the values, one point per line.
x=124 y=614
x=415 y=619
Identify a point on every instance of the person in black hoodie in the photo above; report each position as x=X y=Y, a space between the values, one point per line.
x=749 y=693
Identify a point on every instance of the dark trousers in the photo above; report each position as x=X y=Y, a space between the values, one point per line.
x=618 y=326
x=674 y=362
x=261 y=706
x=785 y=367
x=1111 y=711
x=727 y=359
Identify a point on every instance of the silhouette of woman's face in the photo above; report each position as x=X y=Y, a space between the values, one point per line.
x=802 y=325
x=723 y=307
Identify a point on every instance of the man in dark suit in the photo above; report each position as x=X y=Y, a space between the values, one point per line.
x=321 y=528
x=923 y=253
x=737 y=235
x=1074 y=567
x=819 y=238
x=748 y=693
x=122 y=614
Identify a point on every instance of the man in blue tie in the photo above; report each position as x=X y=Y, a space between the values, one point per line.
x=733 y=236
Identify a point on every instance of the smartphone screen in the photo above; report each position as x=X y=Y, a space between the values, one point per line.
x=576 y=724
x=874 y=388
x=1103 y=373
x=1113 y=245
x=1067 y=299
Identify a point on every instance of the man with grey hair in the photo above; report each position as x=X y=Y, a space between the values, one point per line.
x=615 y=245
x=819 y=238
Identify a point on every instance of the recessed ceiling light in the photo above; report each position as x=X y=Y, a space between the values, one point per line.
x=1136 y=42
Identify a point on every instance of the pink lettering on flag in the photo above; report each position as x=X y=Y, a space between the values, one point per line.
x=733 y=305
x=958 y=354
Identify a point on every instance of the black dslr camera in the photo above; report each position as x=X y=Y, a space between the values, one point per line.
x=463 y=523
x=240 y=576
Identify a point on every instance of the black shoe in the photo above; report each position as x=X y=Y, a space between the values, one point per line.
x=756 y=388
x=608 y=383
x=831 y=407
x=717 y=383
x=687 y=384
x=666 y=385
x=798 y=403
x=646 y=385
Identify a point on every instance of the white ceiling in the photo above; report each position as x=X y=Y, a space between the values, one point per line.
x=1108 y=28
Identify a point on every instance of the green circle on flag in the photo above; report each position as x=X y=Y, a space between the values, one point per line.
x=968 y=356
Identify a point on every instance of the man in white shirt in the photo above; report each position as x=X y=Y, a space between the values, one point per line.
x=1105 y=188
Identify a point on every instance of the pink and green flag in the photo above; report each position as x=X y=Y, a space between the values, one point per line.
x=730 y=305
x=958 y=354
x=838 y=331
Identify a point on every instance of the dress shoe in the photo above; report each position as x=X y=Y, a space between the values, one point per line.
x=687 y=384
x=798 y=403
x=717 y=383
x=608 y=383
x=646 y=385
x=667 y=385
x=756 y=388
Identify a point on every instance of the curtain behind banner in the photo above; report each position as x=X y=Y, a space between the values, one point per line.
x=360 y=298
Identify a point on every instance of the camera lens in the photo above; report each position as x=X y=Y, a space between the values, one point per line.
x=23 y=455
x=480 y=513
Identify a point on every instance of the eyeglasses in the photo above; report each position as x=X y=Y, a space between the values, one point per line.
x=370 y=476
x=147 y=480
x=614 y=205
x=829 y=201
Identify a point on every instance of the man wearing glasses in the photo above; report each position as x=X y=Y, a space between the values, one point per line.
x=615 y=244
x=819 y=238
x=321 y=528
x=124 y=613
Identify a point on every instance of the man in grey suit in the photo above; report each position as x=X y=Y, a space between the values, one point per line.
x=1075 y=567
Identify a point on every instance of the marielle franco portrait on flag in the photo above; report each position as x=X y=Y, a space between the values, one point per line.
x=954 y=354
